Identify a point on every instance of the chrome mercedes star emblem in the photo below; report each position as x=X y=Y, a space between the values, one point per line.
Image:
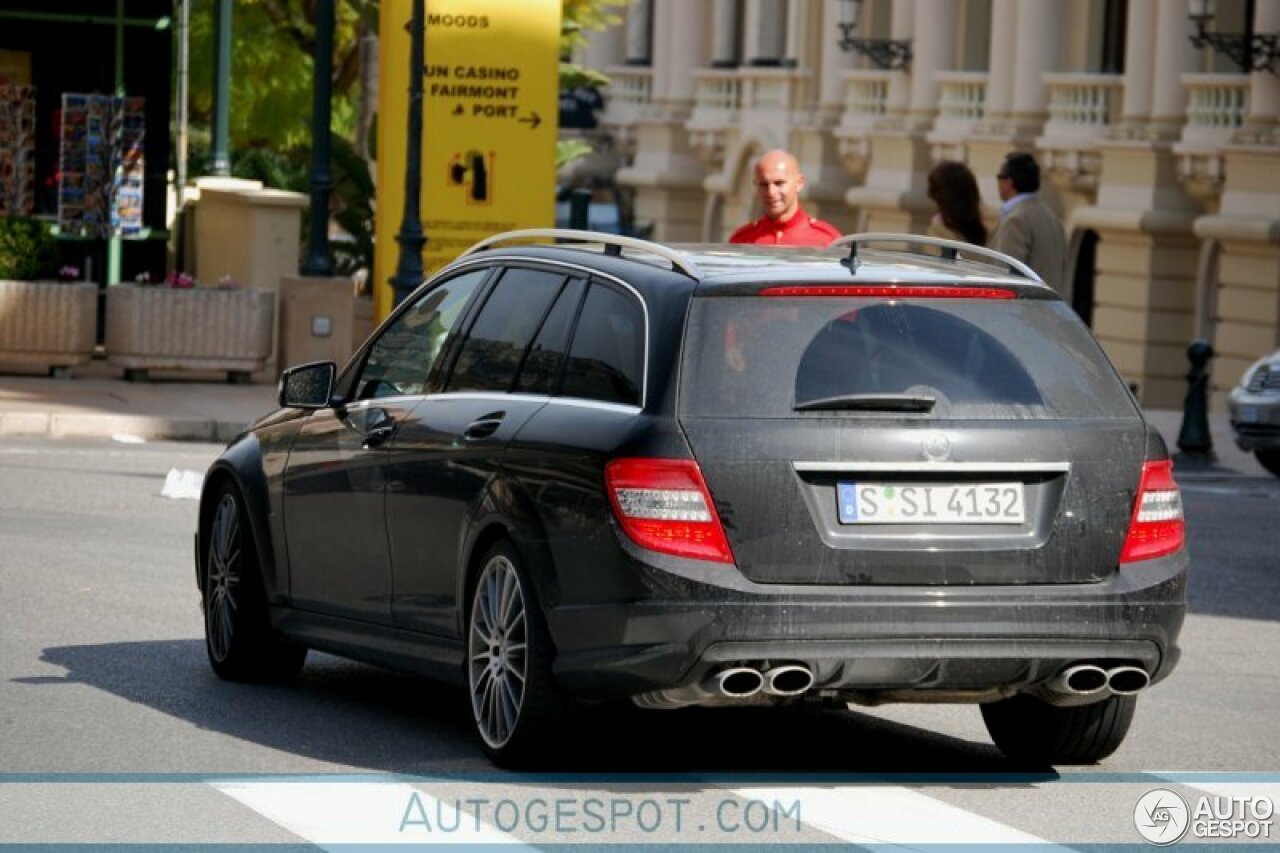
x=936 y=447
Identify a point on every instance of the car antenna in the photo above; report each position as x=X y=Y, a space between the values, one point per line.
x=852 y=261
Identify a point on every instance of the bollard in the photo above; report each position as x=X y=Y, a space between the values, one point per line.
x=1194 y=440
x=580 y=208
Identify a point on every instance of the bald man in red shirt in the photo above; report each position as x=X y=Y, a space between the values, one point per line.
x=778 y=182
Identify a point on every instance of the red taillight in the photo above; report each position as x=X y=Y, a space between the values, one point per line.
x=1156 y=528
x=664 y=505
x=892 y=291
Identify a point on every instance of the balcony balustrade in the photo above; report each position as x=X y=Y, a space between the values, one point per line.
x=962 y=103
x=1217 y=106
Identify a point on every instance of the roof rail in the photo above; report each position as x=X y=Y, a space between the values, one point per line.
x=1014 y=265
x=678 y=261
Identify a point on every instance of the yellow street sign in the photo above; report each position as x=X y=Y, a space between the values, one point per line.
x=490 y=107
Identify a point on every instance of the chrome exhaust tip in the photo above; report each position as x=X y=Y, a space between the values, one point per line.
x=1083 y=679
x=788 y=680
x=1127 y=680
x=739 y=682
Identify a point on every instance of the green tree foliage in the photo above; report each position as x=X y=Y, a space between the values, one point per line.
x=272 y=44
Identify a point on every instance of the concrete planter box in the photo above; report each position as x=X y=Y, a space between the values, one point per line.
x=47 y=324
x=164 y=328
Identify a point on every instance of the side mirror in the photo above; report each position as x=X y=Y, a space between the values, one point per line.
x=308 y=386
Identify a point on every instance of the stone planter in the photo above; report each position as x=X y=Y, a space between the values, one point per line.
x=47 y=324
x=164 y=328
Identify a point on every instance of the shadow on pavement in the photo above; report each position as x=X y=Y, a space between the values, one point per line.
x=362 y=716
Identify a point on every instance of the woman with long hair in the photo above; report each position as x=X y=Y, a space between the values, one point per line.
x=953 y=188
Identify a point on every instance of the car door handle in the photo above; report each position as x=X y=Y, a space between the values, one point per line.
x=380 y=428
x=379 y=435
x=484 y=426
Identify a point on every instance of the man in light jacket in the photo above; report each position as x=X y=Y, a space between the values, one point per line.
x=1029 y=230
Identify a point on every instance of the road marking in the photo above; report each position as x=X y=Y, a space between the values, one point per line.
x=884 y=814
x=340 y=813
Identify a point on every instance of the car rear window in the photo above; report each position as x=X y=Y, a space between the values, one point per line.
x=757 y=357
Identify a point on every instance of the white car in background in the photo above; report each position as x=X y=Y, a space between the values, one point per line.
x=1254 y=408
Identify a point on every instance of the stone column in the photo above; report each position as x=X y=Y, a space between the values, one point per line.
x=1139 y=59
x=604 y=48
x=900 y=28
x=812 y=140
x=766 y=29
x=726 y=38
x=639 y=32
x=1039 y=40
x=678 y=54
x=1004 y=17
x=933 y=50
x=1174 y=55
x=794 y=53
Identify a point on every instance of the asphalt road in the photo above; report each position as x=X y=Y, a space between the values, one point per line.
x=113 y=728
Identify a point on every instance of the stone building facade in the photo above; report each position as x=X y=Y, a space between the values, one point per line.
x=1162 y=158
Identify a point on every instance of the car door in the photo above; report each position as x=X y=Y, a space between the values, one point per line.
x=334 y=500
x=447 y=452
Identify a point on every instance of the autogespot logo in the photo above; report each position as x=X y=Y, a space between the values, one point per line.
x=1161 y=816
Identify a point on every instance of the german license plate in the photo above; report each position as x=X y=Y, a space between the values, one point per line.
x=896 y=503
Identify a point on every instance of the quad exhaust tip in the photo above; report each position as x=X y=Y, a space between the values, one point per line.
x=1084 y=679
x=788 y=680
x=739 y=682
x=1127 y=680
x=1088 y=679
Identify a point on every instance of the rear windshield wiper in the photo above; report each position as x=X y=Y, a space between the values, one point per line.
x=869 y=403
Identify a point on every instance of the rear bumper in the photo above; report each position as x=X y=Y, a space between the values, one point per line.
x=886 y=642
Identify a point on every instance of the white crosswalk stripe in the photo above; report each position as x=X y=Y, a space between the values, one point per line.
x=884 y=814
x=341 y=813
x=336 y=813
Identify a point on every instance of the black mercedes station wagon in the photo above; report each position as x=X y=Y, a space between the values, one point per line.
x=575 y=467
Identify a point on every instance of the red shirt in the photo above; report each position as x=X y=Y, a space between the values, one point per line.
x=800 y=230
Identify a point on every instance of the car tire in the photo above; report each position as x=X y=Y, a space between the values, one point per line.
x=238 y=636
x=516 y=705
x=1031 y=731
x=1269 y=459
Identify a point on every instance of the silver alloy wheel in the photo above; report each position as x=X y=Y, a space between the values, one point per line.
x=497 y=652
x=222 y=588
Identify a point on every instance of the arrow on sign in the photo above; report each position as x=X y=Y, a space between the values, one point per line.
x=533 y=121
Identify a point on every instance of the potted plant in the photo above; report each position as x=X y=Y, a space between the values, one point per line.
x=177 y=324
x=47 y=319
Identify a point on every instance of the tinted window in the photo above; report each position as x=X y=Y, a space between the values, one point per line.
x=541 y=371
x=496 y=344
x=758 y=357
x=401 y=358
x=606 y=360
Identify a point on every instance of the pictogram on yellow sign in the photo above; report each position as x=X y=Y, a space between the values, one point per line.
x=490 y=104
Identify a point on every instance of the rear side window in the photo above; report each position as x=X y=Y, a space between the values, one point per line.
x=606 y=359
x=541 y=371
x=496 y=344
x=761 y=357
